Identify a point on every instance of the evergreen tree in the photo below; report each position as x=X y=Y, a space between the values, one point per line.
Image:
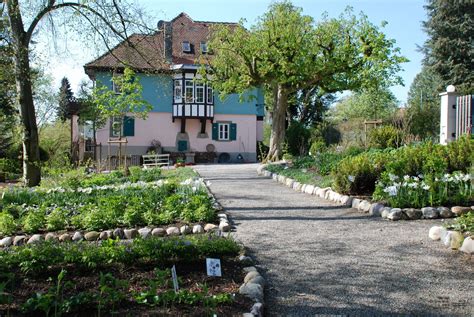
x=423 y=110
x=63 y=111
x=449 y=50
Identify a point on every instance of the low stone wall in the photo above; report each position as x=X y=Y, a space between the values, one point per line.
x=118 y=233
x=375 y=209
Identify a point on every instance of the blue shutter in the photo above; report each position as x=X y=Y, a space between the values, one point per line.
x=182 y=145
x=128 y=126
x=233 y=132
x=215 y=131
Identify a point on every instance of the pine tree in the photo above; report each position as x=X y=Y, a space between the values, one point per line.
x=449 y=51
x=423 y=111
x=63 y=111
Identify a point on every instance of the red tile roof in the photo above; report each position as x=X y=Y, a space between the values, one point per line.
x=147 y=52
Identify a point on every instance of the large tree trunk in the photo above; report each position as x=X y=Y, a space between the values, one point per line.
x=277 y=137
x=31 y=157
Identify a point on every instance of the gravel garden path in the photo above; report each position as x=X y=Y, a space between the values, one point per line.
x=321 y=258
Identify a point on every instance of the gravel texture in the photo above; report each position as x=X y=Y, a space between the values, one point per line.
x=321 y=258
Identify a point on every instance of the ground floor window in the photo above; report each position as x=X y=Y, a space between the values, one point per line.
x=224 y=129
x=122 y=126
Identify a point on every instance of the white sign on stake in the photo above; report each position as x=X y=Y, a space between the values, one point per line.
x=213 y=267
x=175 y=279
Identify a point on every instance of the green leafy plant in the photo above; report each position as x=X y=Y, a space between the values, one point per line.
x=386 y=136
x=358 y=174
x=33 y=221
x=111 y=292
x=464 y=223
x=57 y=219
x=7 y=223
x=35 y=259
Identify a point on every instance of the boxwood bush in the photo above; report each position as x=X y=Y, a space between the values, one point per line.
x=358 y=175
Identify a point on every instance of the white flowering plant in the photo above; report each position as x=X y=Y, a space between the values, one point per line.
x=425 y=190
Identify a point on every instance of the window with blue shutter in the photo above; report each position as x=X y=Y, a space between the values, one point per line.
x=224 y=131
x=128 y=126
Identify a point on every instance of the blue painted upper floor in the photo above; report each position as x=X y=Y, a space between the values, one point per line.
x=158 y=91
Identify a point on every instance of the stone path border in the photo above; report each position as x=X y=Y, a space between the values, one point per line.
x=254 y=284
x=452 y=239
x=375 y=209
x=253 y=287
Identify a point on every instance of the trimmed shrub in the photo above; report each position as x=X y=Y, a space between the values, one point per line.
x=385 y=137
x=357 y=175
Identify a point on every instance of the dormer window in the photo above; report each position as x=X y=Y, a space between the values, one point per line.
x=203 y=47
x=186 y=46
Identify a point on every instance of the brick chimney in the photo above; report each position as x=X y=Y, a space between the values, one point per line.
x=167 y=30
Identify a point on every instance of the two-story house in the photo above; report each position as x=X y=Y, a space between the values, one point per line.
x=187 y=115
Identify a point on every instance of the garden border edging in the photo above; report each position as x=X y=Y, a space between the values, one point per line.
x=254 y=284
x=375 y=209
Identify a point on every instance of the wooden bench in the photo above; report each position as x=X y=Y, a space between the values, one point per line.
x=155 y=160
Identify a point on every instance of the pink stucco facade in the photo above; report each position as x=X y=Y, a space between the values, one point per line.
x=160 y=126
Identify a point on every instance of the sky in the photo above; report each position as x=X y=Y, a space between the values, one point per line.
x=404 y=19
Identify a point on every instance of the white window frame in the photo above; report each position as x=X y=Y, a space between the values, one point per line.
x=200 y=87
x=116 y=88
x=116 y=133
x=223 y=131
x=210 y=95
x=186 y=46
x=188 y=88
x=203 y=47
x=178 y=91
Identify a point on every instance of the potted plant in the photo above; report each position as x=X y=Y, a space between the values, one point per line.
x=179 y=163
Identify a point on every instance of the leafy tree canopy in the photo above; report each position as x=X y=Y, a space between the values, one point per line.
x=370 y=104
x=286 y=51
x=128 y=100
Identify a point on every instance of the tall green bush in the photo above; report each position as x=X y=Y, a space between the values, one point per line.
x=357 y=175
x=385 y=137
x=297 y=139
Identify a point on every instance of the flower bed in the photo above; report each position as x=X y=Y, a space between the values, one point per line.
x=365 y=206
x=107 y=204
x=414 y=180
x=115 y=278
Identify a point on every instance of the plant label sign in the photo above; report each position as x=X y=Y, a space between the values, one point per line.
x=213 y=267
x=174 y=276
